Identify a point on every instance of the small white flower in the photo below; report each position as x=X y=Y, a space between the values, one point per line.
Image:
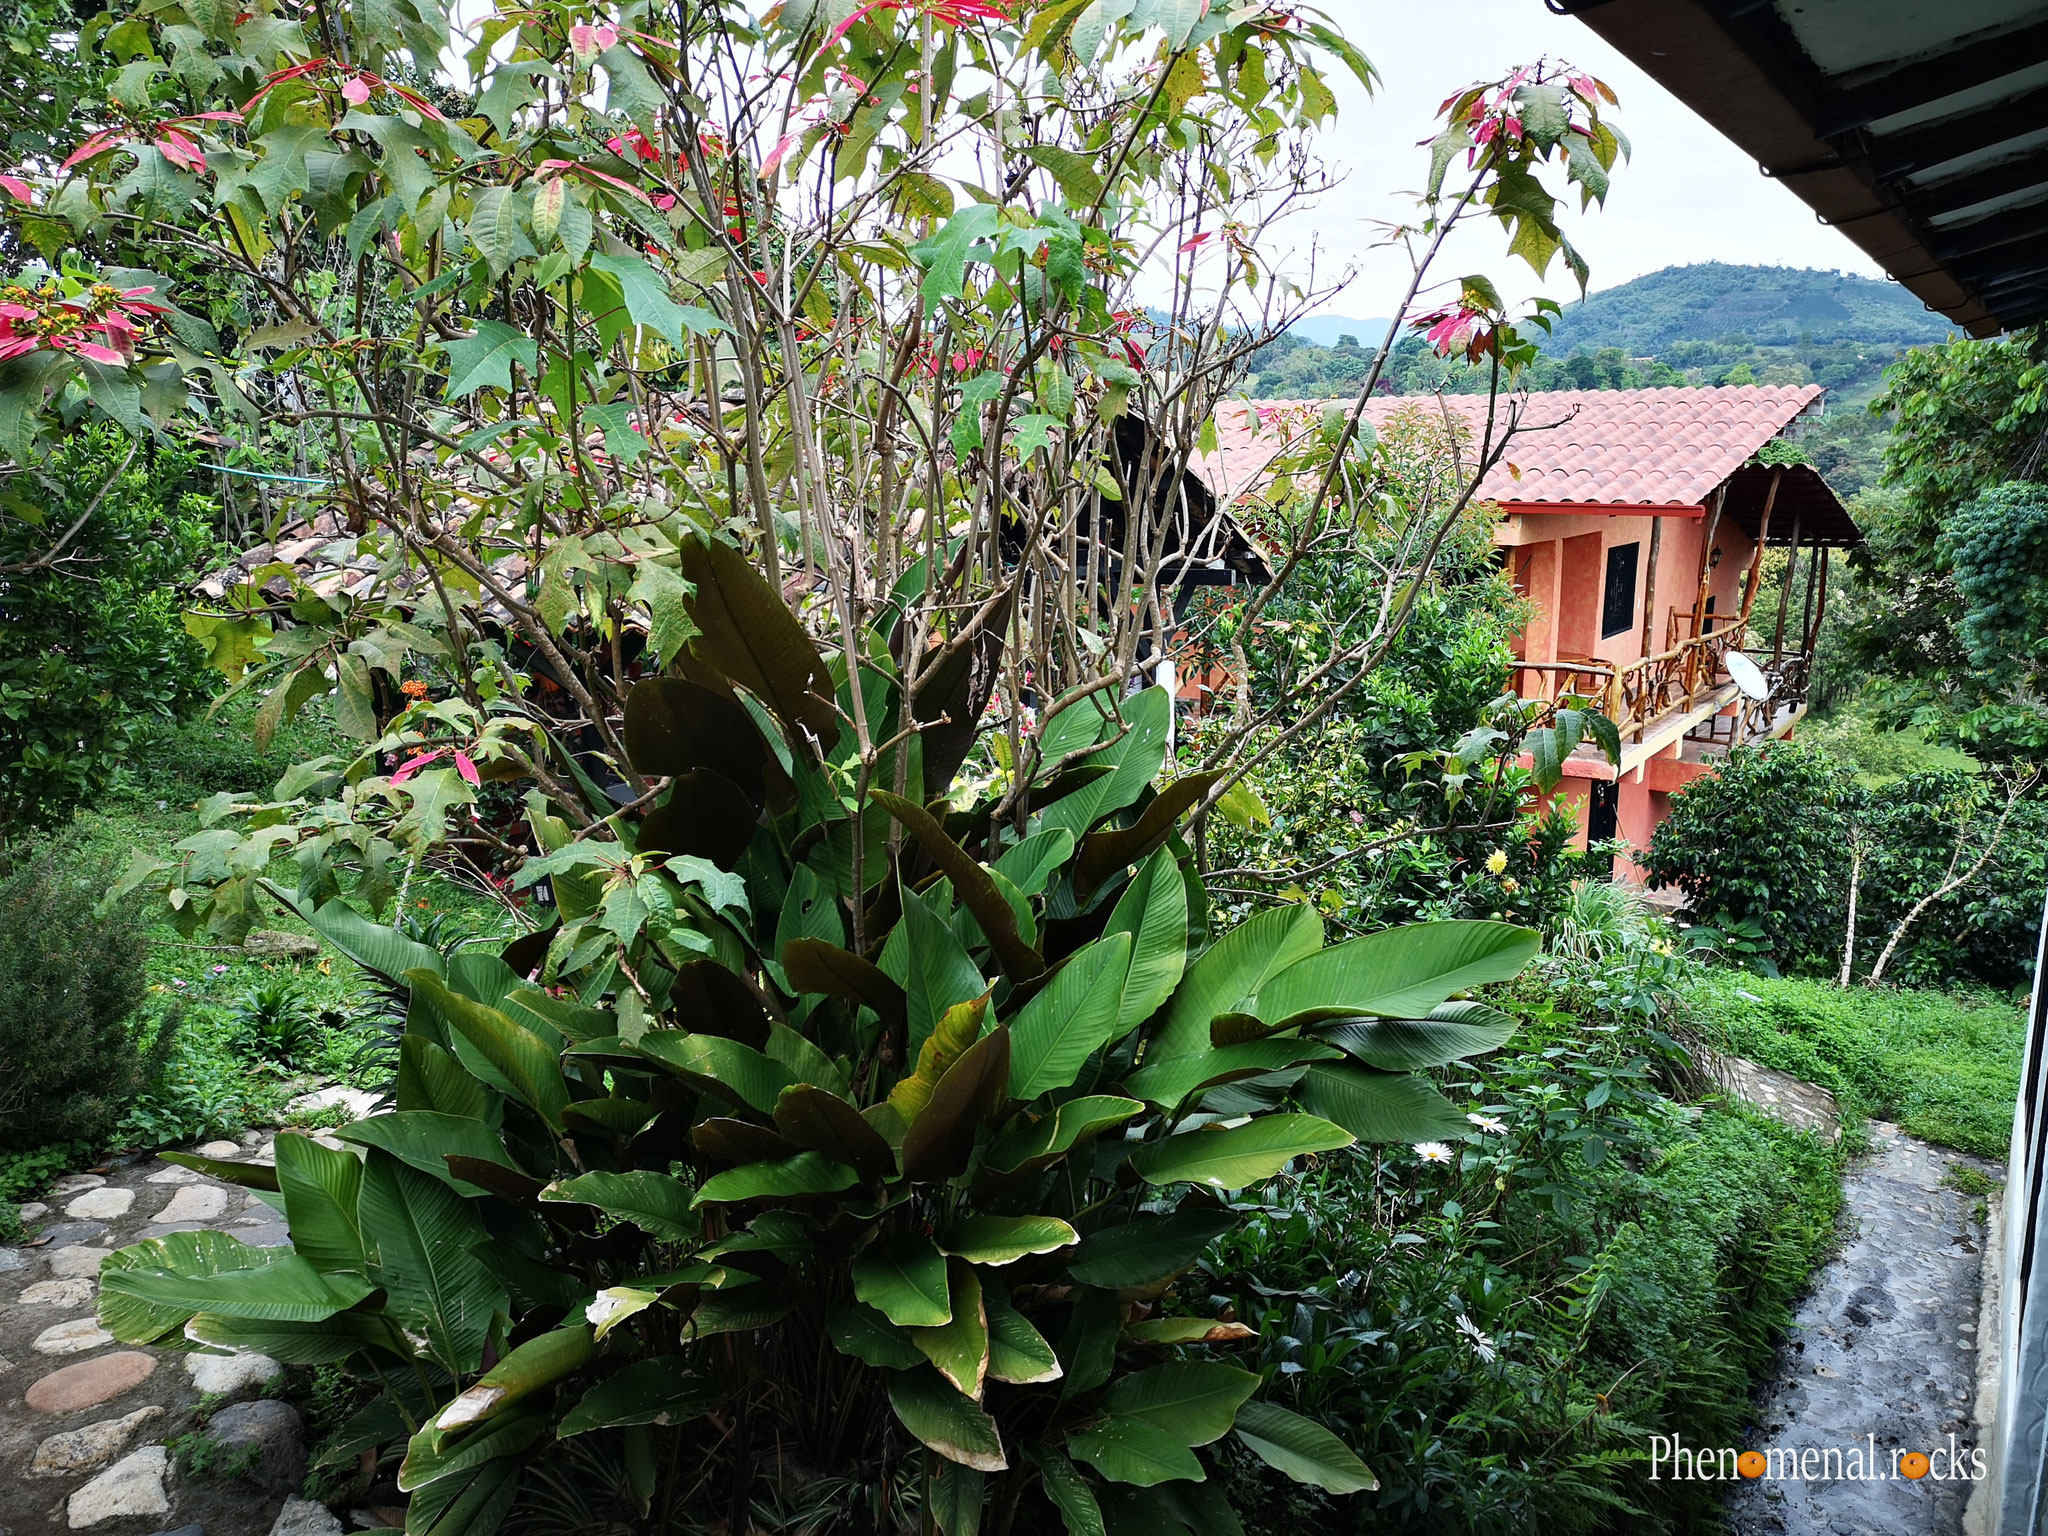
x=1432 y=1152
x=1489 y=1124
x=1482 y=1346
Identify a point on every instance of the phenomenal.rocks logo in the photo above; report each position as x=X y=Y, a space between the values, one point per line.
x=1670 y=1458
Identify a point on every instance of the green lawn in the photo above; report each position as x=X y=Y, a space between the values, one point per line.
x=1944 y=1066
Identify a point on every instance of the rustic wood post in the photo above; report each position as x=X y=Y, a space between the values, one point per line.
x=1819 y=604
x=1699 y=606
x=1785 y=595
x=1650 y=581
x=1756 y=561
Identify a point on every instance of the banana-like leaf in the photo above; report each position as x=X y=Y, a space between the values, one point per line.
x=653 y=1202
x=1003 y=1240
x=472 y=1502
x=425 y=1237
x=947 y=1420
x=287 y=1289
x=971 y=883
x=1379 y=1106
x=958 y=1347
x=806 y=1174
x=1398 y=973
x=1147 y=1249
x=1070 y=1019
x=1135 y=1452
x=1029 y=865
x=904 y=1278
x=1237 y=1156
x=736 y=1073
x=749 y=634
x=430 y=1078
x=426 y=1140
x=815 y=966
x=740 y=1141
x=383 y=952
x=133 y=1320
x=1069 y=1491
x=1153 y=910
x=705 y=816
x=660 y=1391
x=1104 y=853
x=1135 y=756
x=1451 y=1033
x=956 y=1030
x=1169 y=1081
x=708 y=999
x=673 y=725
x=1034 y=1142
x=621 y=1117
x=824 y=1122
x=941 y=1140
x=935 y=970
x=806 y=1063
x=1017 y=1352
x=244 y=1175
x=538 y=1363
x=1303 y=1449
x=1231 y=970
x=432 y=1456
x=863 y=1332
x=1176 y=1331
x=1195 y=1401
x=327 y=1342
x=518 y=1055
x=322 y=1188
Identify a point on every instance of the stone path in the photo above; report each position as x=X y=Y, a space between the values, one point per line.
x=1883 y=1352
x=86 y=1423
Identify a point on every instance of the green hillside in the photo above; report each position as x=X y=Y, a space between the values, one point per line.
x=1767 y=306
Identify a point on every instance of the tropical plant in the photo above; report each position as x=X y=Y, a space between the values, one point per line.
x=878 y=1170
x=276 y=1021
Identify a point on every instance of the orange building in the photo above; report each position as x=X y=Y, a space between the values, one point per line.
x=1635 y=522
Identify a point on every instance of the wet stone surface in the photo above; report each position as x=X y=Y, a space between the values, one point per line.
x=1882 y=1359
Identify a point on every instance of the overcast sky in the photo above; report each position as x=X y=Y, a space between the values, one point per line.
x=1688 y=195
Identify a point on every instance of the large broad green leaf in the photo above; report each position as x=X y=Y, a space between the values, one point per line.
x=431 y=1456
x=1398 y=973
x=749 y=634
x=824 y=1122
x=384 y=952
x=941 y=1140
x=287 y=1289
x=812 y=965
x=1070 y=1019
x=1147 y=1249
x=484 y=360
x=1379 y=1106
x=1104 y=853
x=1153 y=910
x=1136 y=1452
x=944 y=253
x=1017 y=1352
x=947 y=1420
x=935 y=972
x=737 y=1073
x=1066 y=1488
x=1232 y=969
x=661 y=1391
x=673 y=725
x=1135 y=756
x=424 y=1236
x=323 y=1343
x=526 y=1063
x=536 y=1364
x=652 y=1201
x=1168 y=1081
x=430 y=1078
x=261 y=1176
x=1238 y=1156
x=860 y=1331
x=904 y=1278
x=1029 y=865
x=958 y=1496
x=958 y=1347
x=1303 y=1449
x=1195 y=1401
x=808 y=1173
x=471 y=1502
x=971 y=883
x=1039 y=1140
x=321 y=1188
x=646 y=296
x=427 y=1140
x=1450 y=1033
x=1006 y=1239
x=196 y=1255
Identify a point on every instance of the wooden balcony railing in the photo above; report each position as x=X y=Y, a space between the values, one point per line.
x=1674 y=682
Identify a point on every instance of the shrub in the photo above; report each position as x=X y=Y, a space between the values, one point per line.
x=276 y=1021
x=202 y=1087
x=71 y=980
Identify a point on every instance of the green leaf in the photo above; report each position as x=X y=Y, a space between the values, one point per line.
x=652 y=1201
x=1239 y=1156
x=1398 y=973
x=662 y=1391
x=1071 y=1018
x=1065 y=1487
x=737 y=1073
x=1104 y=853
x=812 y=965
x=943 y=1418
x=941 y=1139
x=1450 y=1033
x=808 y=1173
x=1233 y=969
x=383 y=952
x=1148 y=1249
x=427 y=1139
x=1195 y=1401
x=1168 y=1083
x=327 y=1342
x=860 y=1331
x=196 y=1255
x=1075 y=172
x=321 y=1187
x=1303 y=1449
x=1153 y=910
x=824 y=1122
x=646 y=296
x=749 y=634
x=538 y=1363
x=484 y=361
x=494 y=228
x=944 y=254
x=971 y=883
x=958 y=1347
x=286 y=1289
x=519 y=1056
x=423 y=1237
x=904 y=1278
x=936 y=973
x=1135 y=756
x=1038 y=1140
x=1017 y=1352
x=1030 y=865
x=1135 y=1452
x=1006 y=1239
x=430 y=1457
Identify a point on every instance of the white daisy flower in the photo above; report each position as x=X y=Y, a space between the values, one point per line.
x=1432 y=1152
x=1489 y=1124
x=1482 y=1346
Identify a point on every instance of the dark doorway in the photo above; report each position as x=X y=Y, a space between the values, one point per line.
x=1603 y=818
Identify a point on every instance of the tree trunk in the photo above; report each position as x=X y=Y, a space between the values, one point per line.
x=1855 y=882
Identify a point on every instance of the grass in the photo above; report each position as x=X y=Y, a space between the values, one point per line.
x=1943 y=1066
x=1878 y=756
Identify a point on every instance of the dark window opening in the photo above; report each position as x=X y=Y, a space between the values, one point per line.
x=1618 y=607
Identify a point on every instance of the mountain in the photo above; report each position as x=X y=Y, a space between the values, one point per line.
x=1326 y=330
x=1766 y=306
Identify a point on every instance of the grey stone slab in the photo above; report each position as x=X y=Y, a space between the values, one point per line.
x=66 y=1233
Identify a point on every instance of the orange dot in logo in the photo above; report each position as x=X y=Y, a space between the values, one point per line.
x=1913 y=1464
x=1750 y=1463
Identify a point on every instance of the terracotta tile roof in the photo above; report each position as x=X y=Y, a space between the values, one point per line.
x=1598 y=447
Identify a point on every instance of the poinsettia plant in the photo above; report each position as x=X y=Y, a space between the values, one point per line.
x=833 y=1164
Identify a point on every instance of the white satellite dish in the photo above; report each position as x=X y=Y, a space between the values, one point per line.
x=1749 y=677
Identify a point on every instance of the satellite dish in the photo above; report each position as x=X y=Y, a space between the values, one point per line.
x=1749 y=677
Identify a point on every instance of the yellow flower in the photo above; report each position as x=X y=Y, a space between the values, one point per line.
x=1496 y=861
